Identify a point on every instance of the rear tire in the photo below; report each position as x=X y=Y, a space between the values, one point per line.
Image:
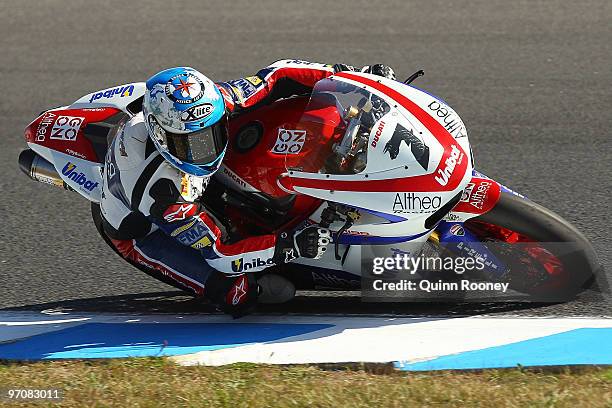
x=97 y=218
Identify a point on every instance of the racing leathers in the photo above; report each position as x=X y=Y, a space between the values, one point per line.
x=152 y=213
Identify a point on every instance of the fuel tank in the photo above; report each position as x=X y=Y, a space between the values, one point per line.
x=255 y=158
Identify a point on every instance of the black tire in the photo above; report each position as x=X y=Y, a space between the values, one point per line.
x=97 y=218
x=556 y=236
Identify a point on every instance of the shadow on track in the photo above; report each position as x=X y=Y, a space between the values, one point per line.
x=305 y=304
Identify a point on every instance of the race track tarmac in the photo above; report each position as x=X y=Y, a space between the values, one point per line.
x=531 y=81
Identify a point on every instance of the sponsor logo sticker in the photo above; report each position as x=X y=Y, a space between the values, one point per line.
x=449 y=121
x=457 y=230
x=178 y=212
x=245 y=87
x=183 y=228
x=379 y=131
x=71 y=171
x=121 y=91
x=76 y=154
x=476 y=194
x=289 y=141
x=452 y=217
x=66 y=128
x=238 y=265
x=255 y=80
x=41 y=131
x=203 y=243
x=197 y=112
x=451 y=162
x=185 y=88
x=238 y=291
x=290 y=255
x=234 y=177
x=413 y=203
x=194 y=234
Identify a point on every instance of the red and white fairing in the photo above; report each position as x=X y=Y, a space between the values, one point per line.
x=399 y=192
x=68 y=136
x=479 y=197
x=403 y=186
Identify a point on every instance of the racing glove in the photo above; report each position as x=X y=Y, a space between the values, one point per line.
x=376 y=69
x=310 y=242
x=343 y=67
x=380 y=70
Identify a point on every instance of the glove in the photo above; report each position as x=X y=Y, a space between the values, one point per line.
x=380 y=70
x=376 y=69
x=343 y=67
x=310 y=242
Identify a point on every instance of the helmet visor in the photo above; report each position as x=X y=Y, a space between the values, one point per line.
x=202 y=147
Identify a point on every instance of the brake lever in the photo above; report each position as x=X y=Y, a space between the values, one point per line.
x=351 y=217
x=414 y=76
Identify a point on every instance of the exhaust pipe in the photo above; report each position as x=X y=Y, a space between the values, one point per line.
x=39 y=169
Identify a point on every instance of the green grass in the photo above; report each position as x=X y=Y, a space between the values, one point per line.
x=161 y=383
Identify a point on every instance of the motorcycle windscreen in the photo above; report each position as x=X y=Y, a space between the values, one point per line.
x=333 y=132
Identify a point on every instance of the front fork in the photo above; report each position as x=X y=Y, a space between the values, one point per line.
x=480 y=196
x=453 y=237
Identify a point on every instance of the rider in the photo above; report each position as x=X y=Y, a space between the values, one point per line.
x=160 y=163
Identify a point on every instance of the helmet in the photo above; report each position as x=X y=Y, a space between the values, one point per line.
x=185 y=116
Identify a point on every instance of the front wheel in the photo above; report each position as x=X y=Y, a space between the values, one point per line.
x=547 y=258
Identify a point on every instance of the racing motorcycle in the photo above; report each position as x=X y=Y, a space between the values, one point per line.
x=380 y=163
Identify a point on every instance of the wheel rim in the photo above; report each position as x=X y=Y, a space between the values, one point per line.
x=532 y=256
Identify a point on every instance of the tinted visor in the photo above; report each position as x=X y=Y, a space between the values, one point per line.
x=201 y=147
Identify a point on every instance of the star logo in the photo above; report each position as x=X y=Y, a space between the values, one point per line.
x=177 y=213
x=184 y=87
x=290 y=255
x=239 y=289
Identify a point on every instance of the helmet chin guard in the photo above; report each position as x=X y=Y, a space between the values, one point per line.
x=184 y=113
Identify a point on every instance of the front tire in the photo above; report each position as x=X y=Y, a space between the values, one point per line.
x=548 y=258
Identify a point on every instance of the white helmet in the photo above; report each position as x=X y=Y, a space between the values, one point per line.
x=184 y=113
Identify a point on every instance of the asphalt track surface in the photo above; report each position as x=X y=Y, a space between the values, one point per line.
x=531 y=81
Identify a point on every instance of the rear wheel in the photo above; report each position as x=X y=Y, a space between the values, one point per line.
x=97 y=218
x=546 y=256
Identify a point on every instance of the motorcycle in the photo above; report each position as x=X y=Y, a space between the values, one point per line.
x=380 y=163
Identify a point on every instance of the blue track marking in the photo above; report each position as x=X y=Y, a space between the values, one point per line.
x=111 y=340
x=575 y=347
